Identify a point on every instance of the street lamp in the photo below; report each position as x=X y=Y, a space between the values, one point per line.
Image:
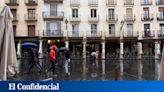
x=121 y=32
x=66 y=22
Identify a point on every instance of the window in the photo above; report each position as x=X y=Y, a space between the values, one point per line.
x=53 y=28
x=146 y=12
x=75 y=13
x=14 y=12
x=93 y=13
x=129 y=13
x=147 y=31
x=111 y=13
x=13 y=1
x=160 y=1
x=53 y=10
x=31 y=30
x=75 y=29
x=161 y=13
x=31 y=13
x=111 y=29
x=130 y=29
x=14 y=30
x=93 y=28
x=161 y=30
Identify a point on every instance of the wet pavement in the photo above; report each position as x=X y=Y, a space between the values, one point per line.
x=77 y=70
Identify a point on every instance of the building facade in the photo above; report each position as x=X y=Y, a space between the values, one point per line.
x=118 y=27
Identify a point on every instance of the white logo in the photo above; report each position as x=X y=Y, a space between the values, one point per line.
x=11 y=86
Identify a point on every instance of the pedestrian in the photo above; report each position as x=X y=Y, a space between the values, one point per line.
x=67 y=62
x=35 y=60
x=52 y=59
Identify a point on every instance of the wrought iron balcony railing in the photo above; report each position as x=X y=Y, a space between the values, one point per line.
x=111 y=18
x=53 y=15
x=94 y=33
x=146 y=2
x=148 y=33
x=53 y=33
x=31 y=2
x=147 y=17
x=31 y=17
x=160 y=16
x=12 y=2
x=111 y=3
x=130 y=18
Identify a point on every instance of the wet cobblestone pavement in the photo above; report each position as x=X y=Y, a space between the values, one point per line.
x=77 y=73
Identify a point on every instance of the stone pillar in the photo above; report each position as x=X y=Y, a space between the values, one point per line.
x=121 y=60
x=19 y=49
x=103 y=57
x=40 y=48
x=140 y=66
x=66 y=44
x=157 y=62
x=84 y=60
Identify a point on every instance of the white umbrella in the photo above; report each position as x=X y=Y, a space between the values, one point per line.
x=8 y=60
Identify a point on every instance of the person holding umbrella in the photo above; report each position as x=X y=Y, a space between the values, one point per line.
x=32 y=47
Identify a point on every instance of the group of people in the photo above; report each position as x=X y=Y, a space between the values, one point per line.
x=52 y=58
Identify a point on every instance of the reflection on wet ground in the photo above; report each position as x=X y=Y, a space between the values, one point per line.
x=77 y=70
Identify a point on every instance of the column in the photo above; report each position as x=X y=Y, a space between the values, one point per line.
x=19 y=49
x=157 y=62
x=66 y=44
x=40 y=49
x=84 y=60
x=103 y=57
x=121 y=60
x=140 y=66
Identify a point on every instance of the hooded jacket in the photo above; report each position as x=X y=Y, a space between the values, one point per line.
x=52 y=54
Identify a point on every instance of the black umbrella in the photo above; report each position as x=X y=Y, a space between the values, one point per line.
x=64 y=49
x=29 y=45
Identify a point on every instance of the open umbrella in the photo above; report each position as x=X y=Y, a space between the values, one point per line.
x=29 y=45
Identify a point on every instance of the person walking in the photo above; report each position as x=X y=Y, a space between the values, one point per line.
x=52 y=59
x=35 y=60
x=67 y=62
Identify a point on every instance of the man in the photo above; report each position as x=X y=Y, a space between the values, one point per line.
x=67 y=61
x=35 y=60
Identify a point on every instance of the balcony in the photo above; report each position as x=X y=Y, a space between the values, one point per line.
x=34 y=33
x=31 y=17
x=53 y=1
x=130 y=34
x=160 y=16
x=75 y=34
x=147 y=17
x=94 y=33
x=93 y=19
x=146 y=2
x=159 y=2
x=112 y=18
x=111 y=3
x=161 y=33
x=148 y=33
x=112 y=34
x=75 y=19
x=15 y=18
x=93 y=3
x=129 y=18
x=53 y=33
x=75 y=3
x=12 y=2
x=128 y=2
x=53 y=16
x=31 y=2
